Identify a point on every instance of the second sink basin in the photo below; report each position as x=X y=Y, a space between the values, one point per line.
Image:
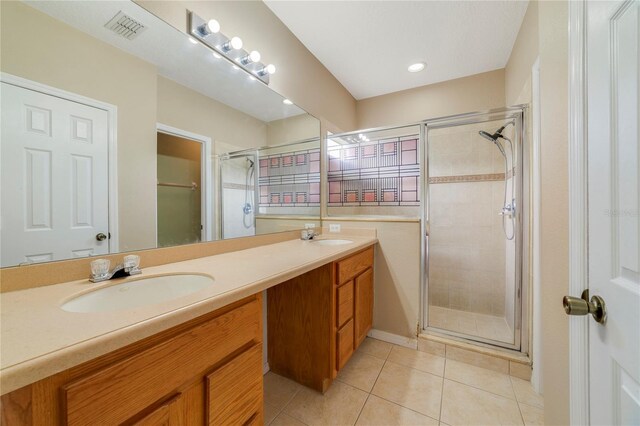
x=138 y=292
x=332 y=242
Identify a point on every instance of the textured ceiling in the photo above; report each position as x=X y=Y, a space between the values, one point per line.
x=368 y=45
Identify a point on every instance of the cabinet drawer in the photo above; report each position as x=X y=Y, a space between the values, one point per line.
x=129 y=386
x=352 y=266
x=344 y=303
x=344 y=344
x=235 y=389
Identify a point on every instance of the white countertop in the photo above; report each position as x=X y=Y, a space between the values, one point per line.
x=39 y=339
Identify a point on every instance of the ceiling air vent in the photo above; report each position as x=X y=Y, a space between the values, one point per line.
x=125 y=26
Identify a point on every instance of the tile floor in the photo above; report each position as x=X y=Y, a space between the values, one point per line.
x=385 y=384
x=474 y=324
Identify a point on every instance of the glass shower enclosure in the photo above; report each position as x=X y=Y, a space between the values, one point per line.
x=473 y=214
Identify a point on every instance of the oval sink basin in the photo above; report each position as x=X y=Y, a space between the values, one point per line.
x=332 y=242
x=138 y=292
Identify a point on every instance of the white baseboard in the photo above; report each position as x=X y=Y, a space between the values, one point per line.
x=265 y=368
x=396 y=339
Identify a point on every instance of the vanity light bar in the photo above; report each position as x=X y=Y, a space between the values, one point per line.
x=208 y=32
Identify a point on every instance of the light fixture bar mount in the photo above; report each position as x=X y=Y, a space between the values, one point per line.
x=222 y=45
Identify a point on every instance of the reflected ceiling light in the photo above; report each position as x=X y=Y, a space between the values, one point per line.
x=417 y=67
x=287 y=102
x=216 y=55
x=269 y=69
x=252 y=78
x=211 y=27
x=254 y=56
x=234 y=44
x=193 y=40
x=235 y=67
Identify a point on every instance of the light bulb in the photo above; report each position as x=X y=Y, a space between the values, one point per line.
x=236 y=43
x=213 y=26
x=254 y=56
x=271 y=69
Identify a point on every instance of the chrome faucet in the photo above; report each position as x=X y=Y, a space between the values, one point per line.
x=100 y=269
x=308 y=233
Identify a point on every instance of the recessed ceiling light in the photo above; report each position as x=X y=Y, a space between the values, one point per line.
x=416 y=67
x=287 y=102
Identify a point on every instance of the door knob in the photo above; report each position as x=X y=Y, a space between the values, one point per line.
x=101 y=237
x=583 y=306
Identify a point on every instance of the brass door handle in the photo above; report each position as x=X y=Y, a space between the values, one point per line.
x=101 y=237
x=583 y=306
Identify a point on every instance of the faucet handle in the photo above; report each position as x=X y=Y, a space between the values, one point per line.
x=100 y=268
x=132 y=264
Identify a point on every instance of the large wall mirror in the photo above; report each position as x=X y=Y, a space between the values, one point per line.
x=112 y=143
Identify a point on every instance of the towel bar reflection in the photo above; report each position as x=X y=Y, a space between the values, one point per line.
x=192 y=187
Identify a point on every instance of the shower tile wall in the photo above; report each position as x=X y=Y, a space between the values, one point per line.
x=466 y=242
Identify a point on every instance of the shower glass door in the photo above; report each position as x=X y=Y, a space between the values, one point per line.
x=473 y=226
x=237 y=194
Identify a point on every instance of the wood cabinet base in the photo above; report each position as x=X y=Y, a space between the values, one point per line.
x=205 y=371
x=317 y=320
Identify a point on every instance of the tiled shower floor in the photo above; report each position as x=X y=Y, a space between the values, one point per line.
x=486 y=326
x=384 y=384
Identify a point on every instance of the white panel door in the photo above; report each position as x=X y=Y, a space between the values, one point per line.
x=613 y=75
x=54 y=178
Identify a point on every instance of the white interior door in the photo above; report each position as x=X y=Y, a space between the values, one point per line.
x=613 y=75
x=54 y=178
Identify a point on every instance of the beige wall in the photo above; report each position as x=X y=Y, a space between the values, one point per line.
x=554 y=245
x=299 y=77
x=60 y=56
x=517 y=76
x=185 y=109
x=292 y=129
x=474 y=93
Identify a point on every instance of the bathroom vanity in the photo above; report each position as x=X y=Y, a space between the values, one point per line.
x=206 y=369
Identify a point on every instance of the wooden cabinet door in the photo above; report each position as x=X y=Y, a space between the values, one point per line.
x=234 y=391
x=344 y=347
x=363 y=306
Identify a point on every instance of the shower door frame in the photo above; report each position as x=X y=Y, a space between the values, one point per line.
x=252 y=152
x=521 y=322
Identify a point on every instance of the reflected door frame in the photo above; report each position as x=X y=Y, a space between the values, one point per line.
x=112 y=142
x=206 y=178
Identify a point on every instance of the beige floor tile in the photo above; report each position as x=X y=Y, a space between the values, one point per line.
x=464 y=405
x=375 y=347
x=533 y=416
x=478 y=359
x=434 y=348
x=410 y=388
x=278 y=390
x=525 y=393
x=416 y=359
x=340 y=405
x=285 y=420
x=361 y=371
x=270 y=413
x=477 y=377
x=379 y=412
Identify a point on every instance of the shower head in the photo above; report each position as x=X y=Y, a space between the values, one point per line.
x=494 y=138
